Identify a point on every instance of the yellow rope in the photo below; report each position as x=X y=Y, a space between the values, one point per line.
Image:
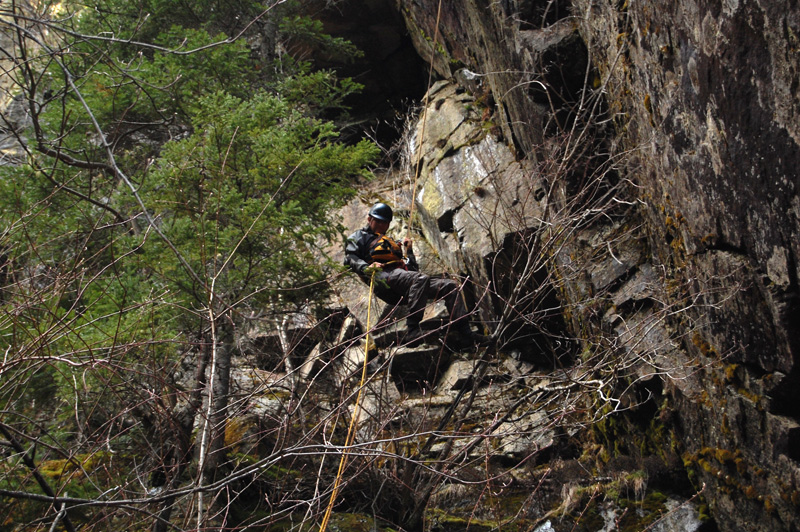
x=357 y=410
x=424 y=120
x=351 y=430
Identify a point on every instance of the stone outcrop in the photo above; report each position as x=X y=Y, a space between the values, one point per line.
x=472 y=192
x=618 y=182
x=700 y=273
x=708 y=92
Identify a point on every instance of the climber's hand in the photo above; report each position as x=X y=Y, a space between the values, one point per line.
x=373 y=268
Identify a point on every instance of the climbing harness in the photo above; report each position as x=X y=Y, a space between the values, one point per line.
x=392 y=260
x=351 y=430
x=385 y=250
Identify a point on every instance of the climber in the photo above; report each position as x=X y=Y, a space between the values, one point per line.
x=369 y=251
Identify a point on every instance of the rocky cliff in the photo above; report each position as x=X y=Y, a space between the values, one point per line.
x=623 y=176
x=613 y=183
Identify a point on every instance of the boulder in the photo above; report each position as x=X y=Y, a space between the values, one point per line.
x=472 y=193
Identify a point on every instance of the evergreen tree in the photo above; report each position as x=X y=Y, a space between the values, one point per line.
x=167 y=184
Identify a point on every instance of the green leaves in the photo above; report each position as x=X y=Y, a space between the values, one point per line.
x=318 y=91
x=303 y=33
x=240 y=200
x=253 y=186
x=163 y=192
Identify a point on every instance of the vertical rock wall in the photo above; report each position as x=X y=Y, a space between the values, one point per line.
x=706 y=96
x=702 y=99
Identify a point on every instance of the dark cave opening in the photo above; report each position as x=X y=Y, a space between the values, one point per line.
x=536 y=14
x=391 y=71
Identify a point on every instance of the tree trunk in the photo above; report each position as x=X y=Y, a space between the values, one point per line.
x=221 y=389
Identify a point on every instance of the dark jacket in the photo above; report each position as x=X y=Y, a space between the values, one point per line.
x=357 y=253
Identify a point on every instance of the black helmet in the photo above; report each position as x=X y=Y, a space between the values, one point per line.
x=381 y=211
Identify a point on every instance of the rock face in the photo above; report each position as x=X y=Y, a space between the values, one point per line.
x=472 y=192
x=697 y=279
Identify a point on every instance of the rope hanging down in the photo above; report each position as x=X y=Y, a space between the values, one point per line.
x=351 y=430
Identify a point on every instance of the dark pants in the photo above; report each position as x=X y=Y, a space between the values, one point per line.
x=415 y=289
